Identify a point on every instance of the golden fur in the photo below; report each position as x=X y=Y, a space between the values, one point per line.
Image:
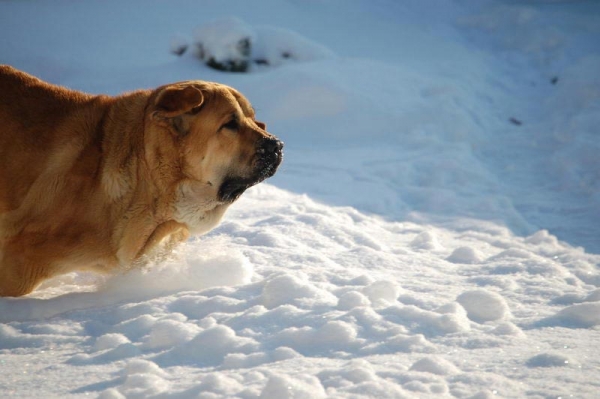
x=102 y=183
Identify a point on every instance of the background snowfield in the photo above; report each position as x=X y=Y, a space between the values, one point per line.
x=433 y=231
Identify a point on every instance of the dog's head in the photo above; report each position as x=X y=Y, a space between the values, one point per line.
x=206 y=142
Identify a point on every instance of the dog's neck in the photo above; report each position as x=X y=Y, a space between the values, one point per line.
x=131 y=174
x=121 y=133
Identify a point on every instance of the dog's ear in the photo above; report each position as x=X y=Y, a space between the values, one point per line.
x=177 y=99
x=174 y=103
x=261 y=125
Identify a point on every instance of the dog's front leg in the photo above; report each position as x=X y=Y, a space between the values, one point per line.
x=18 y=275
x=163 y=239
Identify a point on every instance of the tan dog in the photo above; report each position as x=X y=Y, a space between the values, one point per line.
x=102 y=183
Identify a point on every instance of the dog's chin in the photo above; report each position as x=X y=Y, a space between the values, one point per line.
x=232 y=188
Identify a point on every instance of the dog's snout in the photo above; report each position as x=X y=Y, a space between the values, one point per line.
x=269 y=156
x=271 y=146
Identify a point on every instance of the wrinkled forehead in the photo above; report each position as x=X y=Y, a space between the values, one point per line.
x=230 y=100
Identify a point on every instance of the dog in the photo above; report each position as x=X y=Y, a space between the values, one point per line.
x=102 y=183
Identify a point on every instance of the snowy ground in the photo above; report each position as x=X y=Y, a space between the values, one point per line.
x=433 y=231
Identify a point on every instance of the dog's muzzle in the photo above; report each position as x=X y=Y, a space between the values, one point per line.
x=269 y=154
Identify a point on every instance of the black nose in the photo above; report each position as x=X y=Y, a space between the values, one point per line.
x=271 y=145
x=269 y=157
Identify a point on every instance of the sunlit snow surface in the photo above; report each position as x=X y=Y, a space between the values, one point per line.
x=432 y=232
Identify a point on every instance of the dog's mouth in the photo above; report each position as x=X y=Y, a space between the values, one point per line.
x=233 y=187
x=269 y=157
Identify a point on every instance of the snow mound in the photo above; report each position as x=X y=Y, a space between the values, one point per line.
x=297 y=387
x=464 y=255
x=427 y=322
x=110 y=341
x=426 y=241
x=187 y=270
x=276 y=46
x=141 y=366
x=550 y=360
x=221 y=385
x=409 y=343
x=582 y=315
x=209 y=347
x=352 y=299
x=382 y=293
x=241 y=360
x=168 y=333
x=593 y=296
x=289 y=289
x=333 y=335
x=435 y=365
x=357 y=371
x=225 y=44
x=569 y=299
x=508 y=329
x=359 y=378
x=141 y=378
x=483 y=305
x=230 y=44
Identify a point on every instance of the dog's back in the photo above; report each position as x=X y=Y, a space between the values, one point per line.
x=32 y=113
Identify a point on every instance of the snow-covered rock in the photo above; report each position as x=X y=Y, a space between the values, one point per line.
x=230 y=44
x=225 y=44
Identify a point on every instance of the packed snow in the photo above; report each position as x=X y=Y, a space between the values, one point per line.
x=433 y=231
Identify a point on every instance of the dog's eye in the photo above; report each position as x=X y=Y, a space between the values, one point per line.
x=233 y=124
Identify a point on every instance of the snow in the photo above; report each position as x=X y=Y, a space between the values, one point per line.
x=278 y=46
x=549 y=360
x=415 y=243
x=433 y=365
x=222 y=40
x=580 y=315
x=219 y=39
x=482 y=305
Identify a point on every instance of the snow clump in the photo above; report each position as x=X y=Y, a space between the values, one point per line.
x=297 y=387
x=435 y=365
x=110 y=341
x=482 y=305
x=465 y=255
x=288 y=289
